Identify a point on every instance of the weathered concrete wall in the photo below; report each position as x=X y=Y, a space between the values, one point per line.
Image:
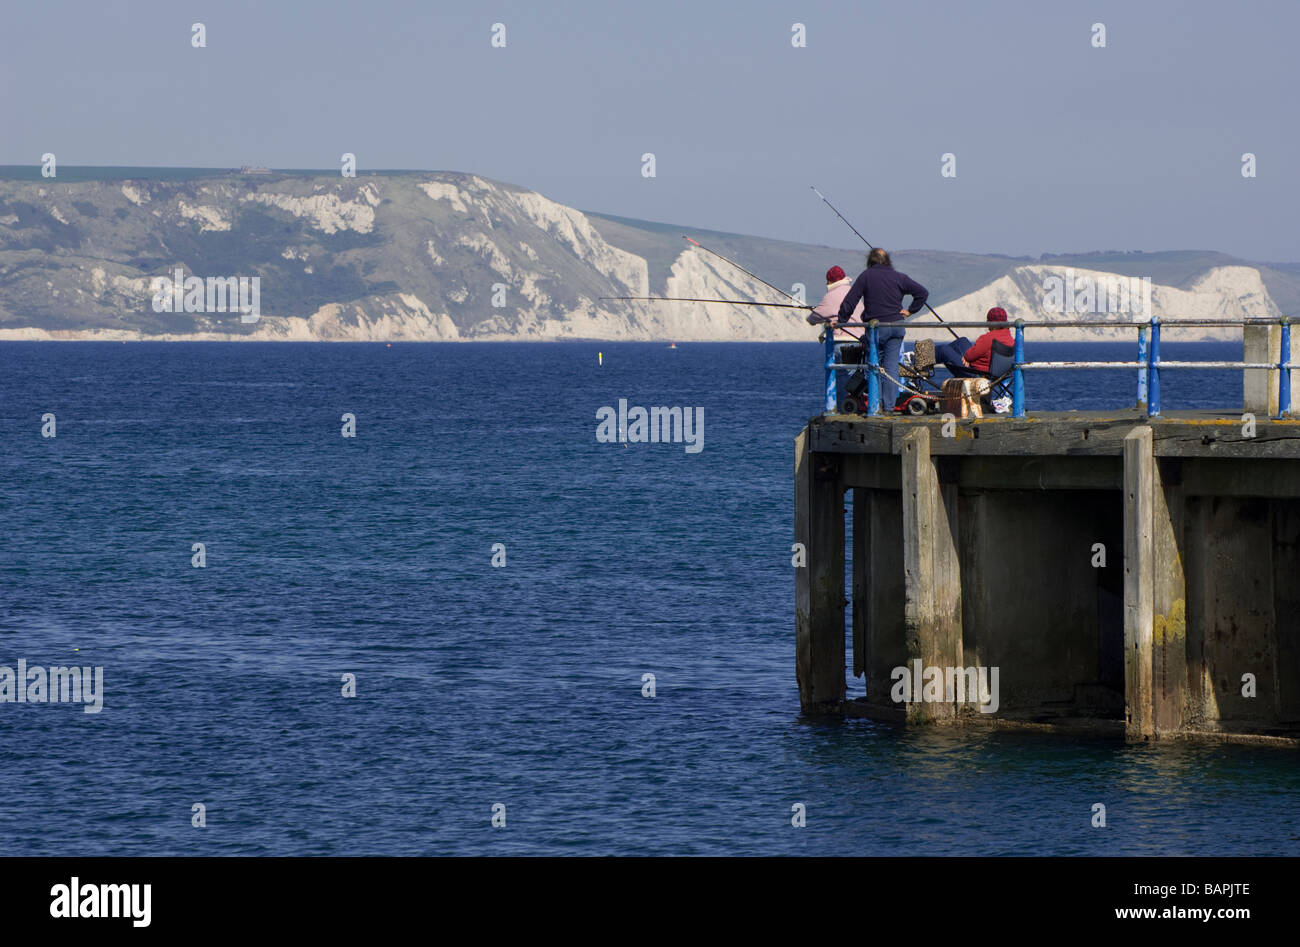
x=931 y=571
x=980 y=553
x=1243 y=615
x=1286 y=608
x=885 y=595
x=819 y=585
x=1058 y=650
x=1033 y=603
x=1169 y=682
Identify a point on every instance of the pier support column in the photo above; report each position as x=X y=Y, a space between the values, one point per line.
x=1169 y=598
x=1155 y=611
x=861 y=576
x=931 y=572
x=1139 y=582
x=819 y=585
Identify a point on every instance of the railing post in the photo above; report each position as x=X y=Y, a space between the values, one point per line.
x=1018 y=377
x=1153 y=363
x=873 y=364
x=1284 y=367
x=1259 y=343
x=831 y=403
x=1142 y=369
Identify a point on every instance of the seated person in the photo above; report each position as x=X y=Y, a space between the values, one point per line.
x=965 y=359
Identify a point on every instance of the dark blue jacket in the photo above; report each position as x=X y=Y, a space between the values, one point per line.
x=881 y=289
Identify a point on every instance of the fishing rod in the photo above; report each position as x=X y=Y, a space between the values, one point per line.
x=731 y=302
x=841 y=216
x=868 y=243
x=689 y=299
x=739 y=267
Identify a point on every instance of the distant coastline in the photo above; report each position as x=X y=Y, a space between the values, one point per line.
x=448 y=256
x=80 y=174
x=934 y=332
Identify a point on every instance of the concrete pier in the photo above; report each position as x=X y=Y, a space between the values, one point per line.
x=1122 y=574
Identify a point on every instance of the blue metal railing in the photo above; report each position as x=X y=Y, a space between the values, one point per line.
x=1284 y=386
x=1018 y=376
x=1144 y=370
x=1148 y=365
x=1153 y=370
x=873 y=364
x=831 y=404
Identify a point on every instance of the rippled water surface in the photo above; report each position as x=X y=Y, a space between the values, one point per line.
x=477 y=685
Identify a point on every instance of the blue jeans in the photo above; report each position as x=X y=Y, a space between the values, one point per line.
x=949 y=355
x=890 y=339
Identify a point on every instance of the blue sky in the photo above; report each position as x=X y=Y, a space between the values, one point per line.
x=1059 y=146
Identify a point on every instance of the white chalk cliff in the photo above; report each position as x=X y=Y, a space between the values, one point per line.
x=443 y=257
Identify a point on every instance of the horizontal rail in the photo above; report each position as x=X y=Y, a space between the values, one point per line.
x=1272 y=366
x=1075 y=323
x=1095 y=366
x=1090 y=365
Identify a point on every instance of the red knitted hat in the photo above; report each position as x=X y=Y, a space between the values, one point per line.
x=834 y=275
x=997 y=314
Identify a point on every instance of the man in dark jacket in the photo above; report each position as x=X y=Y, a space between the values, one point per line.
x=881 y=290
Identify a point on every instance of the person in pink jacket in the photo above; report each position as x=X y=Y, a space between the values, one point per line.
x=837 y=287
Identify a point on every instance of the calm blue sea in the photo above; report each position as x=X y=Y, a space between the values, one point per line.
x=476 y=685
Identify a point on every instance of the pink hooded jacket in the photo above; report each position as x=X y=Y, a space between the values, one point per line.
x=828 y=309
